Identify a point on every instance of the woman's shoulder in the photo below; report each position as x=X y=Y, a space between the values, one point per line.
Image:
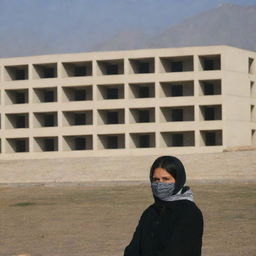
x=188 y=208
x=149 y=211
x=180 y=207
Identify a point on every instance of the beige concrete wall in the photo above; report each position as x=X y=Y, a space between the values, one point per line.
x=237 y=100
x=209 y=167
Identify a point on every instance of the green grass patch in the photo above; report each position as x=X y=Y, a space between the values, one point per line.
x=23 y=204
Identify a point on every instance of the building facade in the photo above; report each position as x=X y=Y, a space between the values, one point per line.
x=136 y=102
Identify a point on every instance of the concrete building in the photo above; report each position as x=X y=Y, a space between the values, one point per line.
x=136 y=102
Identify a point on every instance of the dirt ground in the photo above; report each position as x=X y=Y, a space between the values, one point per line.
x=99 y=220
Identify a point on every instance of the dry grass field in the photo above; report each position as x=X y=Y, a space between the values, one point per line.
x=99 y=220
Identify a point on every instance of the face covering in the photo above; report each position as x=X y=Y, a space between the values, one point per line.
x=162 y=190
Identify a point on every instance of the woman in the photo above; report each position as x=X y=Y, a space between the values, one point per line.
x=173 y=225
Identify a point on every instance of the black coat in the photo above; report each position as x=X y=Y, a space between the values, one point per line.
x=170 y=229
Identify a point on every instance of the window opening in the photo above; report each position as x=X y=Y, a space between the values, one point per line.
x=79 y=95
x=208 y=64
x=80 y=143
x=208 y=89
x=48 y=96
x=20 y=145
x=112 y=117
x=144 y=92
x=144 y=67
x=48 y=120
x=209 y=113
x=80 y=71
x=112 y=142
x=144 y=141
x=20 y=97
x=177 y=90
x=20 y=122
x=49 y=144
x=112 y=69
x=144 y=116
x=210 y=138
x=80 y=119
x=112 y=93
x=20 y=74
x=49 y=72
x=176 y=66
x=178 y=140
x=177 y=114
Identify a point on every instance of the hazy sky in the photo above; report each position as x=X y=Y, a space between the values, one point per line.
x=45 y=24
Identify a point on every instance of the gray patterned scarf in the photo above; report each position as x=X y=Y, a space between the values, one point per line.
x=164 y=192
x=186 y=195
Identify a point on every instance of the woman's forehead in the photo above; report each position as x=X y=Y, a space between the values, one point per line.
x=161 y=172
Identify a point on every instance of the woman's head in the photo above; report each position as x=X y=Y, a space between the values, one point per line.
x=168 y=169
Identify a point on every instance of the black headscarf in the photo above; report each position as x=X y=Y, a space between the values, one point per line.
x=173 y=166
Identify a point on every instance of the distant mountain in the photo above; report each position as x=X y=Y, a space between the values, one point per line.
x=53 y=31
x=228 y=24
